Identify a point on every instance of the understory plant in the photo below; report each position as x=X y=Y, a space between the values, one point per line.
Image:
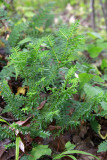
x=48 y=73
x=70 y=151
x=45 y=150
x=46 y=69
x=51 y=72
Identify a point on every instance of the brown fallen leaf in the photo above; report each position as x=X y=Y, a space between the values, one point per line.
x=22 y=123
x=76 y=97
x=2 y=148
x=8 y=154
x=43 y=95
x=38 y=140
x=83 y=131
x=51 y=127
x=71 y=111
x=41 y=105
x=28 y=139
x=76 y=139
x=83 y=122
x=58 y=144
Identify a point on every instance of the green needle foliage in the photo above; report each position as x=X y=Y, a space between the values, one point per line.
x=46 y=65
x=41 y=66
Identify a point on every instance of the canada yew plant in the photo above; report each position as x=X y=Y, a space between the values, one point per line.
x=51 y=73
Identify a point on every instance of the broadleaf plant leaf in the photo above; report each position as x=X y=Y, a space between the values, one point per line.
x=39 y=151
x=69 y=146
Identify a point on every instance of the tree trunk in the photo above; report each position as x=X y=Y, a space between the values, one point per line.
x=93 y=14
x=104 y=10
